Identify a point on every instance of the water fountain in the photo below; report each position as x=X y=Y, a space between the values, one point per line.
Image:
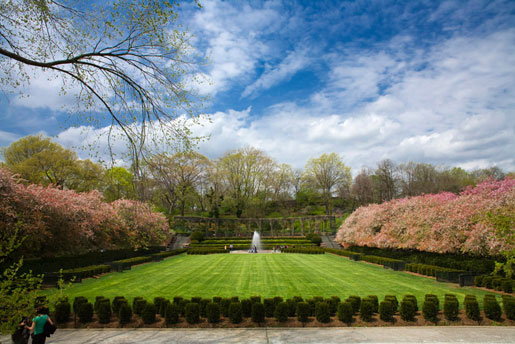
x=256 y=242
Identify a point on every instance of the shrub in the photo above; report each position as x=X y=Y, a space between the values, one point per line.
x=246 y=308
x=312 y=306
x=366 y=310
x=192 y=313
x=77 y=302
x=177 y=299
x=62 y=311
x=172 y=314
x=203 y=303
x=303 y=311
x=487 y=282
x=491 y=308
x=333 y=302
x=224 y=306
x=323 y=312
x=124 y=313
x=413 y=299
x=258 y=312
x=292 y=307
x=281 y=312
x=472 y=308
x=451 y=309
x=213 y=312
x=117 y=301
x=407 y=310
x=255 y=299
x=430 y=310
x=104 y=312
x=478 y=281
x=434 y=299
x=355 y=301
x=393 y=300
x=508 y=305
x=386 y=311
x=345 y=312
x=198 y=236
x=507 y=286
x=375 y=302
x=316 y=239
x=164 y=306
x=98 y=299
x=85 y=313
x=139 y=306
x=235 y=312
x=269 y=307
x=182 y=306
x=149 y=313
x=157 y=302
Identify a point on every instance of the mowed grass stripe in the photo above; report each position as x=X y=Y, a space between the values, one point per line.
x=267 y=275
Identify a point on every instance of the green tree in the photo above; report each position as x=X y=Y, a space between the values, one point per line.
x=18 y=291
x=327 y=173
x=128 y=58
x=119 y=183
x=39 y=160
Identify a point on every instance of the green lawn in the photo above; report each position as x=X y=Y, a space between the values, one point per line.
x=267 y=275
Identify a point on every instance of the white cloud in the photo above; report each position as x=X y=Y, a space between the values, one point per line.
x=231 y=38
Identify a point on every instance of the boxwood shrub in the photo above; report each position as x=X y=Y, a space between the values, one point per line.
x=192 y=313
x=430 y=310
x=366 y=310
x=255 y=299
x=246 y=308
x=163 y=307
x=235 y=312
x=508 y=305
x=434 y=299
x=77 y=301
x=62 y=311
x=85 y=313
x=407 y=310
x=491 y=308
x=281 y=312
x=393 y=300
x=206 y=250
x=386 y=311
x=413 y=299
x=117 y=301
x=375 y=302
x=472 y=308
x=203 y=303
x=355 y=302
x=322 y=312
x=149 y=313
x=292 y=307
x=124 y=313
x=304 y=250
x=104 y=313
x=213 y=312
x=269 y=307
x=224 y=306
x=345 y=312
x=172 y=314
x=258 y=312
x=139 y=306
x=451 y=307
x=303 y=311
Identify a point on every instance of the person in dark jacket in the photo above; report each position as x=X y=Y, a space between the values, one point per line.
x=38 y=326
x=22 y=334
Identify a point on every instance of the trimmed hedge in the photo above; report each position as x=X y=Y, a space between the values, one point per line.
x=451 y=307
x=235 y=312
x=303 y=311
x=472 y=308
x=124 y=313
x=491 y=307
x=430 y=310
x=192 y=313
x=366 y=310
x=304 y=250
x=281 y=312
x=386 y=311
x=345 y=312
x=104 y=312
x=87 y=271
x=125 y=264
x=85 y=313
x=258 y=313
x=202 y=251
x=172 y=314
x=432 y=270
x=213 y=312
x=62 y=311
x=407 y=310
x=149 y=314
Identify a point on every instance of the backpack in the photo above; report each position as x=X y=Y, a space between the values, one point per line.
x=49 y=329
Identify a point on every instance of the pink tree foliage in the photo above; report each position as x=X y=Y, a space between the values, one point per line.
x=442 y=223
x=56 y=221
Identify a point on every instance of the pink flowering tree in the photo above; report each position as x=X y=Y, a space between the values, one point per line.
x=479 y=221
x=56 y=222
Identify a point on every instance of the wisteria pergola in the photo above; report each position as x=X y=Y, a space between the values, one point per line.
x=265 y=226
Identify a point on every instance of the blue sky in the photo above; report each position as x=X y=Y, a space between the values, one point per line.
x=424 y=81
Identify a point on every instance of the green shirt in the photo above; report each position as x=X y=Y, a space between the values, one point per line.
x=40 y=321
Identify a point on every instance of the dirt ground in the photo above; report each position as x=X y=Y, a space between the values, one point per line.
x=291 y=322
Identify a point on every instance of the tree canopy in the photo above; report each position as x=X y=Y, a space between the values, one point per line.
x=129 y=59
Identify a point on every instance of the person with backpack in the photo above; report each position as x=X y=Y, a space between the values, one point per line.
x=38 y=326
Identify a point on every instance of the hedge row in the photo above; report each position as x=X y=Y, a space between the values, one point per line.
x=207 y=250
x=257 y=309
x=305 y=250
x=169 y=253
x=428 y=270
x=246 y=247
x=85 y=272
x=248 y=241
x=54 y=264
x=453 y=261
x=380 y=260
x=262 y=238
x=495 y=282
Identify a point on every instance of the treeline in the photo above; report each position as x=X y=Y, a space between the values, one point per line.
x=244 y=183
